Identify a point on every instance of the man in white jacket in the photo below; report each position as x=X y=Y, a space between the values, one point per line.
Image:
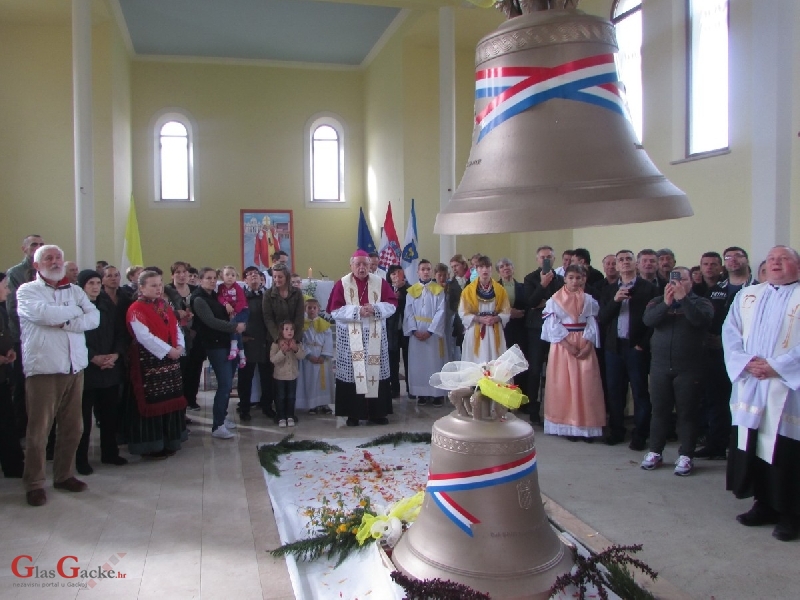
x=53 y=315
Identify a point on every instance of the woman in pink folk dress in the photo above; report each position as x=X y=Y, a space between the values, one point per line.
x=573 y=400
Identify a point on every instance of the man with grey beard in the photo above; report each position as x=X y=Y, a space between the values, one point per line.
x=53 y=316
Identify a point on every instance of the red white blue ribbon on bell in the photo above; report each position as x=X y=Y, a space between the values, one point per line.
x=440 y=485
x=515 y=89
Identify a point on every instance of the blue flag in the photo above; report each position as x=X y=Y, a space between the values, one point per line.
x=410 y=258
x=365 y=242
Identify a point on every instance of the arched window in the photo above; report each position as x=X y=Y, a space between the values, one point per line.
x=174 y=161
x=324 y=150
x=627 y=18
x=707 y=66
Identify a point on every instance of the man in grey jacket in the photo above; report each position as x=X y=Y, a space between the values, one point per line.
x=53 y=316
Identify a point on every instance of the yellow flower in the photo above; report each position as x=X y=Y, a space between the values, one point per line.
x=341 y=529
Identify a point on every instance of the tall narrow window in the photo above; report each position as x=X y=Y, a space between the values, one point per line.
x=627 y=18
x=707 y=59
x=324 y=161
x=174 y=164
x=325 y=164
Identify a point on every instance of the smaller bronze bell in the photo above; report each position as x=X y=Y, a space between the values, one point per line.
x=482 y=523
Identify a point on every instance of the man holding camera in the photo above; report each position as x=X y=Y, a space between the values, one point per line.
x=627 y=344
x=679 y=319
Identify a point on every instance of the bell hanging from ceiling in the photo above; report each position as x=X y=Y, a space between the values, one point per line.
x=553 y=146
x=482 y=523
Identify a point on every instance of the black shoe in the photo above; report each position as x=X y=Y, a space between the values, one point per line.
x=114 y=460
x=637 y=444
x=379 y=421
x=244 y=417
x=351 y=422
x=84 y=468
x=759 y=514
x=787 y=529
x=438 y=402
x=187 y=421
x=710 y=453
x=572 y=438
x=268 y=412
x=194 y=406
x=536 y=420
x=613 y=440
x=422 y=401
x=412 y=397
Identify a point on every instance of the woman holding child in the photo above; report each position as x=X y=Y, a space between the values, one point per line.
x=214 y=328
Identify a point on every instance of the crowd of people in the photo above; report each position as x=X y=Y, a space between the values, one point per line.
x=76 y=346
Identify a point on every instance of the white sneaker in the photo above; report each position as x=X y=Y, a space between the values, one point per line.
x=222 y=433
x=683 y=466
x=652 y=460
x=282 y=423
x=230 y=424
x=290 y=422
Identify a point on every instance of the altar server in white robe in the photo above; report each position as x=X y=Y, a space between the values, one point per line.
x=761 y=339
x=316 y=375
x=424 y=324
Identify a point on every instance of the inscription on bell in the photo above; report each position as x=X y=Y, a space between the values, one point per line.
x=525 y=494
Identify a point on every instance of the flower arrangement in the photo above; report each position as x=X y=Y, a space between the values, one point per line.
x=607 y=570
x=337 y=533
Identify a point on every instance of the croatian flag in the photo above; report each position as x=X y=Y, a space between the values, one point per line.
x=440 y=485
x=515 y=89
x=390 y=244
x=410 y=256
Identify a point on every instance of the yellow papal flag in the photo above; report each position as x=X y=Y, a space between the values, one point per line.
x=132 y=246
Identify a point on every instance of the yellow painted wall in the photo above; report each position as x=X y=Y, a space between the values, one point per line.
x=36 y=185
x=121 y=139
x=36 y=136
x=248 y=155
x=719 y=188
x=384 y=136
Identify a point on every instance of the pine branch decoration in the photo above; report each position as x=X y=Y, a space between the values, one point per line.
x=268 y=454
x=614 y=576
x=400 y=437
x=435 y=589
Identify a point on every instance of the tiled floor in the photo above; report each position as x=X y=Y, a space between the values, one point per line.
x=198 y=524
x=195 y=525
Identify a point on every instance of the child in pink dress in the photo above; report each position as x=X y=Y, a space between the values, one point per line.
x=231 y=295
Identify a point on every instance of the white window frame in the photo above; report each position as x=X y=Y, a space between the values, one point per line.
x=616 y=19
x=334 y=121
x=689 y=154
x=160 y=119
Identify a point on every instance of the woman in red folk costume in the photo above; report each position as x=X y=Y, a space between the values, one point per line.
x=155 y=424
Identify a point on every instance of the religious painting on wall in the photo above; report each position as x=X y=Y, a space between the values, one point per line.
x=264 y=232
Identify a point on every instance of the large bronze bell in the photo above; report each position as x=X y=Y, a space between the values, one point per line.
x=482 y=523
x=553 y=147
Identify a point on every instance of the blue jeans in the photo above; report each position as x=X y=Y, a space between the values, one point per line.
x=628 y=365
x=223 y=370
x=242 y=317
x=285 y=395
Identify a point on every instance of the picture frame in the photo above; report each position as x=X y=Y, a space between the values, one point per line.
x=264 y=231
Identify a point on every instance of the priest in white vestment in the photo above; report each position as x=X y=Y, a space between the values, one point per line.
x=360 y=303
x=424 y=324
x=761 y=339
